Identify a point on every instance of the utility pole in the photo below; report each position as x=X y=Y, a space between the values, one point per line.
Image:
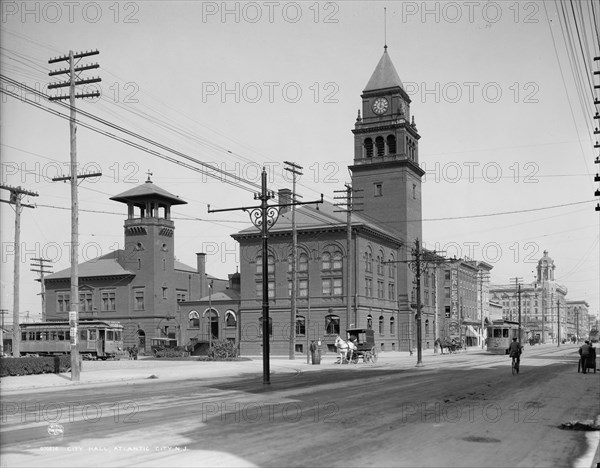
x=2 y=312
x=482 y=276
x=263 y=217
x=518 y=287
x=349 y=206
x=558 y=319
x=74 y=80
x=43 y=269
x=16 y=194
x=295 y=170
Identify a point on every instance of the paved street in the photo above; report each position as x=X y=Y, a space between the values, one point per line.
x=457 y=410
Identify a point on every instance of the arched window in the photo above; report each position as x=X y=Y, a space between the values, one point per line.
x=300 y=325
x=380 y=144
x=380 y=267
x=338 y=262
x=369 y=260
x=368 y=148
x=369 y=322
x=392 y=326
x=381 y=324
x=332 y=325
x=230 y=319
x=270 y=263
x=303 y=262
x=326 y=261
x=194 y=319
x=391 y=143
x=391 y=268
x=260 y=326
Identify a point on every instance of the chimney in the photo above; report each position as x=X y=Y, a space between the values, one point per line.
x=201 y=267
x=285 y=196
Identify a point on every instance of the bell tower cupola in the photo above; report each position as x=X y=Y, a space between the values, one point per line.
x=149 y=245
x=386 y=154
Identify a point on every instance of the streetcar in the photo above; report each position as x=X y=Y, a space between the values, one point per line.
x=500 y=335
x=96 y=339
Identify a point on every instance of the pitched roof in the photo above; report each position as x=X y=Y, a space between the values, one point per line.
x=148 y=190
x=326 y=215
x=105 y=265
x=385 y=75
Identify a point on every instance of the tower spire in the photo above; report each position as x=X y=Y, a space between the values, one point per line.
x=384 y=29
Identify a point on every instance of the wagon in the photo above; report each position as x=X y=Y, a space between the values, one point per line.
x=365 y=344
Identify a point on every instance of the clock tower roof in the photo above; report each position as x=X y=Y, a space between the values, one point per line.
x=385 y=75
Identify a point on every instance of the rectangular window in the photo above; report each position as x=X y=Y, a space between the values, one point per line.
x=378 y=190
x=107 y=299
x=271 y=286
x=368 y=287
x=302 y=288
x=391 y=291
x=338 y=289
x=447 y=293
x=326 y=287
x=138 y=299
x=447 y=274
x=85 y=301
x=181 y=296
x=380 y=290
x=63 y=301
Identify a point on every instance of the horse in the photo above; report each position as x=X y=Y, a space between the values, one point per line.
x=345 y=349
x=440 y=344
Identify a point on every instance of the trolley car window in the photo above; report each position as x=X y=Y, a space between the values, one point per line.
x=497 y=332
x=110 y=335
x=505 y=332
x=61 y=335
x=23 y=336
x=117 y=335
x=92 y=334
x=83 y=335
x=53 y=335
x=67 y=335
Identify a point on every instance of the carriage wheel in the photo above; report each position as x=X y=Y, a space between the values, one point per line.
x=374 y=354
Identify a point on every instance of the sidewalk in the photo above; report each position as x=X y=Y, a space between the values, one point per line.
x=98 y=373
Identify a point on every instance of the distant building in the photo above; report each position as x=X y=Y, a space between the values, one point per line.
x=541 y=303
x=577 y=319
x=142 y=284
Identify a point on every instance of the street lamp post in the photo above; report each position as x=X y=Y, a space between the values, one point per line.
x=210 y=286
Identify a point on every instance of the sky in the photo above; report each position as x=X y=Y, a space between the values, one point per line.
x=499 y=93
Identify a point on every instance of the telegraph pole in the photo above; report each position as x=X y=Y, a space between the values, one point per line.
x=558 y=319
x=74 y=80
x=349 y=206
x=295 y=170
x=263 y=217
x=518 y=286
x=16 y=194
x=43 y=269
x=482 y=276
x=2 y=312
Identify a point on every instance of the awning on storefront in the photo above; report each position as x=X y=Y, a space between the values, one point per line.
x=472 y=332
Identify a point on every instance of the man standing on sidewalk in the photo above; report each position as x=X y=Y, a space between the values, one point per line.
x=584 y=352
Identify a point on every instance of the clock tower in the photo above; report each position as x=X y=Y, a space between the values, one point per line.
x=386 y=157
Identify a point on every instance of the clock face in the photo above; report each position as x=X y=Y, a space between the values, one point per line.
x=380 y=106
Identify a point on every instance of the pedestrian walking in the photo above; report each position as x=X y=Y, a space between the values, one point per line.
x=584 y=352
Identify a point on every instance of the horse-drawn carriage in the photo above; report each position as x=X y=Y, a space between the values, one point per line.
x=360 y=342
